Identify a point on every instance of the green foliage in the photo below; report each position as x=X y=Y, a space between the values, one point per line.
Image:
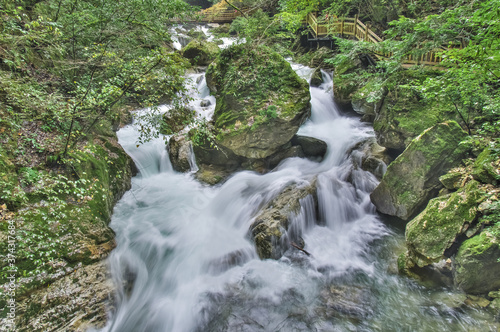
x=470 y=82
x=270 y=112
x=202 y=133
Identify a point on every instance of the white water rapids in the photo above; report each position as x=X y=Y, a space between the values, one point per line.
x=184 y=261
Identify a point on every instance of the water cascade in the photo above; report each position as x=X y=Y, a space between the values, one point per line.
x=184 y=260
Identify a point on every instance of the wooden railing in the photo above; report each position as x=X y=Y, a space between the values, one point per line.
x=218 y=15
x=354 y=27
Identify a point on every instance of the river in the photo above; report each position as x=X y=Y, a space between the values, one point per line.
x=184 y=260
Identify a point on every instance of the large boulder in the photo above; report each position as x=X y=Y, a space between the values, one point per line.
x=413 y=178
x=431 y=234
x=477 y=265
x=270 y=227
x=261 y=101
x=402 y=117
x=200 y=52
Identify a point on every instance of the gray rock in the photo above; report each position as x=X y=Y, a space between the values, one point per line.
x=413 y=178
x=76 y=302
x=179 y=152
x=316 y=78
x=312 y=147
x=270 y=226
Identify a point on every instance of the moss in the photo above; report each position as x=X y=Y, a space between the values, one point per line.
x=200 y=52
x=452 y=180
x=433 y=232
x=261 y=101
x=487 y=167
x=176 y=119
x=413 y=178
x=477 y=264
x=247 y=79
x=403 y=116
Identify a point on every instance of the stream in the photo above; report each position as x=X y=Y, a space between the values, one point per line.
x=184 y=259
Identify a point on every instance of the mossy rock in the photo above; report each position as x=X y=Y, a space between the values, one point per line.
x=344 y=84
x=452 y=180
x=477 y=265
x=368 y=99
x=402 y=117
x=200 y=53
x=413 y=178
x=261 y=101
x=431 y=234
x=487 y=168
x=176 y=119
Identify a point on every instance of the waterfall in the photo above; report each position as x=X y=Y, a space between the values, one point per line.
x=184 y=260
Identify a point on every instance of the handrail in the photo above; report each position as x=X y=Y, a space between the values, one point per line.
x=354 y=27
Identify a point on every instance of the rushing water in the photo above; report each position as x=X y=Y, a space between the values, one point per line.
x=184 y=261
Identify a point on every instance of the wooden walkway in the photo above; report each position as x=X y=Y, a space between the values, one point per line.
x=217 y=15
x=345 y=27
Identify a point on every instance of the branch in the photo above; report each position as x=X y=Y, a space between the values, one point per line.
x=299 y=248
x=242 y=13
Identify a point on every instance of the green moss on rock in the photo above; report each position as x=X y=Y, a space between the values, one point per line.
x=487 y=168
x=477 y=265
x=403 y=117
x=176 y=119
x=200 y=52
x=413 y=178
x=261 y=101
x=435 y=230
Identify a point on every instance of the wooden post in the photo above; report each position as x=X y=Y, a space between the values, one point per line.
x=366 y=31
x=342 y=28
x=356 y=25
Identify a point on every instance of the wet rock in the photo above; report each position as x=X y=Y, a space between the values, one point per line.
x=291 y=152
x=76 y=302
x=200 y=53
x=179 y=151
x=312 y=147
x=205 y=103
x=477 y=301
x=271 y=224
x=368 y=99
x=316 y=78
x=211 y=174
x=371 y=157
x=344 y=300
x=476 y=266
x=259 y=124
x=413 y=178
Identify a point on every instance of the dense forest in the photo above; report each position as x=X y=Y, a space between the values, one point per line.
x=71 y=72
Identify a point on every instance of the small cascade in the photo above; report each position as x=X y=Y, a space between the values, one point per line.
x=192 y=160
